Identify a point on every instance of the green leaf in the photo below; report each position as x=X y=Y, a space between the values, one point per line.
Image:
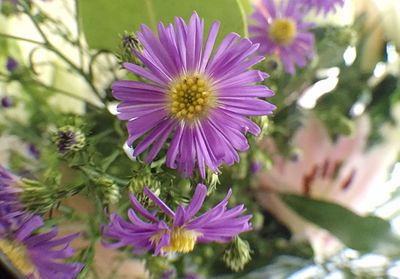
x=103 y=20
x=365 y=234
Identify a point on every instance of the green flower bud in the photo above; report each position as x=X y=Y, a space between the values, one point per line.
x=108 y=189
x=137 y=184
x=129 y=44
x=212 y=181
x=237 y=255
x=37 y=197
x=69 y=139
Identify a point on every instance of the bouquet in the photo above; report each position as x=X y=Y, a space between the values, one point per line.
x=199 y=139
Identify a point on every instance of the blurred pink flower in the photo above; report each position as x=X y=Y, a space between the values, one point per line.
x=344 y=172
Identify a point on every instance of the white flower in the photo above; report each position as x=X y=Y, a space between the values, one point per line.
x=344 y=172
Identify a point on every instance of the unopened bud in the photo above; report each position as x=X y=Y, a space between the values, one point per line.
x=109 y=190
x=138 y=183
x=69 y=139
x=129 y=44
x=212 y=181
x=237 y=255
x=37 y=197
x=11 y=64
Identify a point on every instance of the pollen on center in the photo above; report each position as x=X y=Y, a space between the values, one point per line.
x=283 y=31
x=182 y=241
x=17 y=255
x=190 y=97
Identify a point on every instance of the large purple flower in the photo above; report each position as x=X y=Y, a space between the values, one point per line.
x=36 y=255
x=325 y=6
x=183 y=231
x=201 y=100
x=11 y=212
x=281 y=31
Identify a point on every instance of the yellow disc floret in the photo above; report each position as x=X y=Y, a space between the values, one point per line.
x=17 y=255
x=282 y=31
x=190 y=97
x=182 y=240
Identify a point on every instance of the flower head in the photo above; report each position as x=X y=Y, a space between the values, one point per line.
x=183 y=231
x=201 y=100
x=281 y=31
x=36 y=255
x=11 y=211
x=325 y=6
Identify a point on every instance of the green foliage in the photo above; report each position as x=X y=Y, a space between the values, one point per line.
x=362 y=233
x=103 y=20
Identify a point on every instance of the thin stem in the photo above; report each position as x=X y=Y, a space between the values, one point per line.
x=244 y=17
x=22 y=39
x=49 y=45
x=78 y=33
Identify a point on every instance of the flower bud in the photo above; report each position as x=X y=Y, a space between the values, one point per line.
x=36 y=196
x=11 y=64
x=237 y=255
x=6 y=102
x=109 y=190
x=137 y=184
x=129 y=44
x=212 y=181
x=69 y=139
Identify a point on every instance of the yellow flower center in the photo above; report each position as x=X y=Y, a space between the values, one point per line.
x=283 y=31
x=18 y=256
x=190 y=97
x=182 y=240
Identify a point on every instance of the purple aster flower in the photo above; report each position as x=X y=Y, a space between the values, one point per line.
x=182 y=231
x=199 y=97
x=11 y=212
x=325 y=6
x=11 y=64
x=36 y=255
x=280 y=31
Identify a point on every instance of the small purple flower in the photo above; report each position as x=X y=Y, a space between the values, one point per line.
x=6 y=102
x=182 y=231
x=36 y=255
x=34 y=151
x=200 y=97
x=325 y=6
x=255 y=166
x=168 y=274
x=11 y=211
x=11 y=64
x=280 y=31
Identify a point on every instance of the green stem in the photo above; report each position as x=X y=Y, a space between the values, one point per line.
x=78 y=33
x=22 y=39
x=244 y=18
